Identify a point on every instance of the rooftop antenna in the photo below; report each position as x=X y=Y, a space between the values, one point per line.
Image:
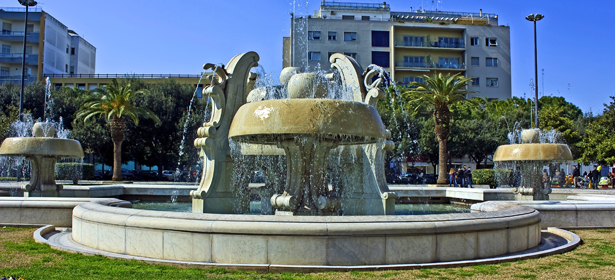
x=568 y=89
x=543 y=81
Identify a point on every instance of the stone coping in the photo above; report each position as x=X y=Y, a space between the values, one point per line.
x=509 y=215
x=554 y=241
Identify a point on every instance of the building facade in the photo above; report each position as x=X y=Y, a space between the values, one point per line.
x=51 y=48
x=407 y=44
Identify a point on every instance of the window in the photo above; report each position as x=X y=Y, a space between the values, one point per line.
x=6 y=49
x=492 y=62
x=329 y=55
x=314 y=56
x=72 y=51
x=28 y=49
x=313 y=35
x=414 y=41
x=380 y=39
x=67 y=48
x=446 y=42
x=353 y=55
x=6 y=28
x=381 y=59
x=30 y=28
x=364 y=17
x=414 y=61
x=72 y=70
x=57 y=86
x=408 y=80
x=332 y=36
x=347 y=17
x=66 y=68
x=81 y=86
x=29 y=71
x=492 y=82
x=448 y=62
x=491 y=42
x=475 y=82
x=350 y=36
x=474 y=41
x=475 y=61
x=4 y=71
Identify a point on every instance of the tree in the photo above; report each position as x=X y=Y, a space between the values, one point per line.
x=437 y=94
x=599 y=143
x=7 y=117
x=115 y=103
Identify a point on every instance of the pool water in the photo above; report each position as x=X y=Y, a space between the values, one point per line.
x=400 y=209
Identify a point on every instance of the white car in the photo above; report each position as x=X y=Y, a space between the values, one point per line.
x=168 y=175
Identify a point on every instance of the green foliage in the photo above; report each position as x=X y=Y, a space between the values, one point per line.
x=7 y=117
x=484 y=177
x=74 y=170
x=33 y=101
x=598 y=145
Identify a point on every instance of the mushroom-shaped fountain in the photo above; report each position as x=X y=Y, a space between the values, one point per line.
x=529 y=158
x=307 y=129
x=42 y=151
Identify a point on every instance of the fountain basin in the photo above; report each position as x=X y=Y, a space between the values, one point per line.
x=269 y=121
x=533 y=152
x=44 y=146
x=305 y=240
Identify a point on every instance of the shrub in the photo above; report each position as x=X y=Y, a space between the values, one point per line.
x=74 y=171
x=484 y=177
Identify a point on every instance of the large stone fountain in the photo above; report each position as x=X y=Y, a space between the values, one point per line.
x=528 y=159
x=42 y=151
x=306 y=127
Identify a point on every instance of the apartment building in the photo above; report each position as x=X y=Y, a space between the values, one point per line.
x=408 y=44
x=51 y=48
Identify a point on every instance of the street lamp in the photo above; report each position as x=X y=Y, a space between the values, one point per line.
x=27 y=3
x=535 y=18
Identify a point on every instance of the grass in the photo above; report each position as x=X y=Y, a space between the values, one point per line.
x=20 y=256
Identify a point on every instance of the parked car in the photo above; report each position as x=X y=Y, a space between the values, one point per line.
x=146 y=175
x=168 y=175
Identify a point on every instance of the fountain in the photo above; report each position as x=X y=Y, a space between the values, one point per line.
x=528 y=158
x=306 y=127
x=42 y=151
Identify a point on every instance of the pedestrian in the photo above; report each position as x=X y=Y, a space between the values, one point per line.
x=452 y=177
x=461 y=176
x=575 y=175
x=469 y=177
x=595 y=177
x=562 y=178
x=546 y=181
x=612 y=176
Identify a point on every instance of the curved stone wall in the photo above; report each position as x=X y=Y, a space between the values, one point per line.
x=306 y=240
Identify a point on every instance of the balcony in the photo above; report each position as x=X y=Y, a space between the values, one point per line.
x=417 y=66
x=16 y=79
x=437 y=45
x=18 y=36
x=31 y=59
x=123 y=76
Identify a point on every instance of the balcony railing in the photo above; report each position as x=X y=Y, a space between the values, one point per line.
x=31 y=59
x=18 y=36
x=459 y=45
x=123 y=76
x=354 y=6
x=430 y=65
x=16 y=9
x=16 y=79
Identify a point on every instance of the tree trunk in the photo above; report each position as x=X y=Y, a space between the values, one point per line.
x=442 y=118
x=117 y=127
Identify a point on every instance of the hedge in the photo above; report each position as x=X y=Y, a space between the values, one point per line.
x=488 y=177
x=74 y=171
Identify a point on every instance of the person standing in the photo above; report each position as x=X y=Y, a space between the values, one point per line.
x=595 y=177
x=469 y=177
x=562 y=178
x=461 y=177
x=452 y=177
x=575 y=175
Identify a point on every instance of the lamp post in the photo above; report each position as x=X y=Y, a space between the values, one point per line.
x=27 y=3
x=535 y=18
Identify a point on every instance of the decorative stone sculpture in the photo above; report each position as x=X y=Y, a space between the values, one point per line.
x=42 y=151
x=303 y=129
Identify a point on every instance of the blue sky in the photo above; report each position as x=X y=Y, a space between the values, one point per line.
x=575 y=39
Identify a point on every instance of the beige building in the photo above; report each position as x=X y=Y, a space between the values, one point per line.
x=407 y=44
x=51 y=48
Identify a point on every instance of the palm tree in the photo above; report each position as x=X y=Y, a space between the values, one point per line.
x=437 y=94
x=115 y=103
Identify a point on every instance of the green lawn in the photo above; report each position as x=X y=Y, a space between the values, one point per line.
x=20 y=256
